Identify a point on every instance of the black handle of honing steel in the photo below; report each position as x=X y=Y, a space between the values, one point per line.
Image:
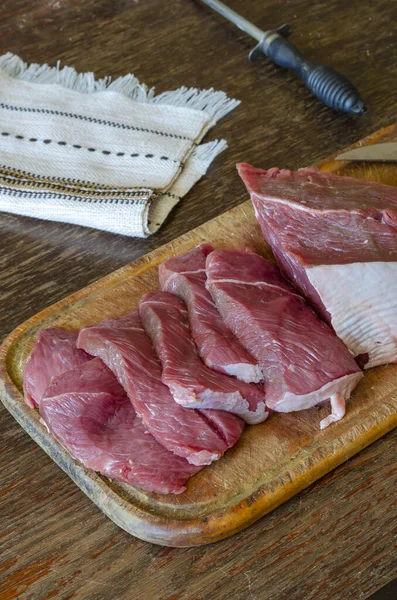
x=329 y=86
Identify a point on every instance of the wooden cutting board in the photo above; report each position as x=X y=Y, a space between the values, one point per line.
x=271 y=463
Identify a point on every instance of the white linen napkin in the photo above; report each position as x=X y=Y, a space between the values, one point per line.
x=100 y=153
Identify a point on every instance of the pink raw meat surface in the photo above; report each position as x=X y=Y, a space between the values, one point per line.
x=184 y=276
x=89 y=413
x=303 y=361
x=53 y=353
x=199 y=436
x=191 y=382
x=336 y=239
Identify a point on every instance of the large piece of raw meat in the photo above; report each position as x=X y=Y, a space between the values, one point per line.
x=303 y=361
x=184 y=275
x=89 y=413
x=336 y=239
x=191 y=382
x=199 y=436
x=54 y=353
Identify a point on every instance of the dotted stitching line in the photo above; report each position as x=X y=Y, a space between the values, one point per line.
x=93 y=120
x=78 y=147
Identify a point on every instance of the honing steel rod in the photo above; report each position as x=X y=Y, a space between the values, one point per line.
x=329 y=86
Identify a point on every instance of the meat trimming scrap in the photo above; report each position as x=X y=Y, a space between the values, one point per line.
x=89 y=413
x=184 y=276
x=199 y=436
x=303 y=361
x=336 y=238
x=191 y=382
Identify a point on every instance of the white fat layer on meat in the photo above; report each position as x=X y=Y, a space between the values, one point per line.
x=231 y=402
x=243 y=282
x=253 y=418
x=45 y=424
x=296 y=205
x=362 y=301
x=260 y=283
x=187 y=272
x=245 y=372
x=337 y=391
x=204 y=457
x=338 y=408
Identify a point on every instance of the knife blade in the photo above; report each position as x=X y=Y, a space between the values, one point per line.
x=385 y=152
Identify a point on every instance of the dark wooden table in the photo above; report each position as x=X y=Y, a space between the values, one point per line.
x=337 y=539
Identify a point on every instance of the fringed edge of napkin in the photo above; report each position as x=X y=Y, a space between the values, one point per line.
x=142 y=214
x=213 y=102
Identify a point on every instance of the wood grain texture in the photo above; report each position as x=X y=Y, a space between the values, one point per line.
x=348 y=550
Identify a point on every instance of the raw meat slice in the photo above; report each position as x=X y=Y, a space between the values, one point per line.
x=89 y=413
x=122 y=344
x=192 y=384
x=219 y=349
x=53 y=353
x=304 y=362
x=336 y=239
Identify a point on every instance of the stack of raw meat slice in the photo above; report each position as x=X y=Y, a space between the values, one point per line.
x=89 y=413
x=336 y=239
x=298 y=356
x=151 y=397
x=190 y=381
x=135 y=420
x=302 y=360
x=199 y=436
x=219 y=349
